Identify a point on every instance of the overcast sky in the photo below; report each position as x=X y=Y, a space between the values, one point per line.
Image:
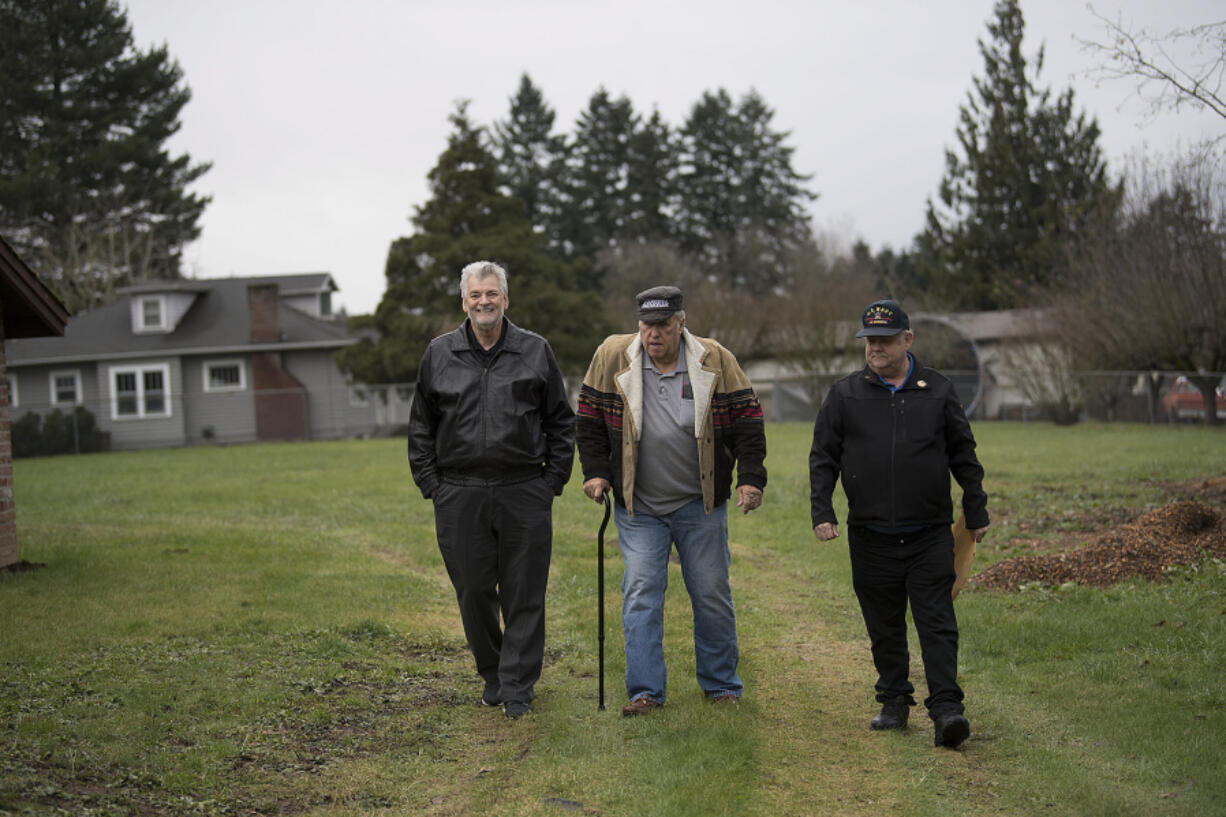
x=322 y=119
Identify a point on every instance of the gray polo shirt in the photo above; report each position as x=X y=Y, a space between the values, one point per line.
x=666 y=476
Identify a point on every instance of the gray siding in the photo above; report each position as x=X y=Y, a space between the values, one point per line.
x=217 y=416
x=330 y=412
x=143 y=432
x=198 y=415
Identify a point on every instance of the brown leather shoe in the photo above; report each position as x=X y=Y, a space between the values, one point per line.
x=639 y=706
x=726 y=698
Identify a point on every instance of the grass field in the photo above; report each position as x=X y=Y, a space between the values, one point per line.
x=268 y=629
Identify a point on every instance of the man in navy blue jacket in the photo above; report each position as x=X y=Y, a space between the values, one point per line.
x=893 y=432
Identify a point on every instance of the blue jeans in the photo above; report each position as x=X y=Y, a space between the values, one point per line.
x=702 y=544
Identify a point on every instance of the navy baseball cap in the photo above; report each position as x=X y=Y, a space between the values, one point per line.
x=883 y=319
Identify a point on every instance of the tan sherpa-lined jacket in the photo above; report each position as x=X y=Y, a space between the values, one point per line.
x=727 y=418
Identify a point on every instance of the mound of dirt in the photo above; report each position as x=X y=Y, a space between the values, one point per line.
x=1212 y=489
x=1174 y=534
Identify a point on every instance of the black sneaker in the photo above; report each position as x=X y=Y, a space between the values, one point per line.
x=893 y=715
x=950 y=729
x=490 y=696
x=516 y=709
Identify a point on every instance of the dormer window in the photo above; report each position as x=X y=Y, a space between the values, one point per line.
x=152 y=314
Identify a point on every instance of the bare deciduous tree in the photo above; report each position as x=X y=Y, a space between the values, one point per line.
x=1166 y=81
x=793 y=324
x=1148 y=290
x=1044 y=373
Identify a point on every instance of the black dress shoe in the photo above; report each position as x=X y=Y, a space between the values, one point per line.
x=893 y=716
x=516 y=709
x=950 y=729
x=489 y=696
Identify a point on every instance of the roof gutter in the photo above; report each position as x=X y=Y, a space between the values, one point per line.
x=250 y=348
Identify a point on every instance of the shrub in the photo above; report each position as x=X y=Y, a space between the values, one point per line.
x=57 y=433
x=26 y=435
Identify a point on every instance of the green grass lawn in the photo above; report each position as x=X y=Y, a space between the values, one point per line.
x=269 y=629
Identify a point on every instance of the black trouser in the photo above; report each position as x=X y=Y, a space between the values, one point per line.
x=887 y=572
x=496 y=542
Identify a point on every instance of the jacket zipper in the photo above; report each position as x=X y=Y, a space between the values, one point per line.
x=485 y=371
x=893 y=451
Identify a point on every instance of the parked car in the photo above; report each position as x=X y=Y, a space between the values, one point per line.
x=1185 y=403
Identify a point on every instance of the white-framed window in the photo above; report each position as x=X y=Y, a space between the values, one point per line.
x=225 y=375
x=140 y=391
x=11 y=380
x=152 y=314
x=66 y=387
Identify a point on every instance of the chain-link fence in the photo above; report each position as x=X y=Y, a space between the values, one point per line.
x=1059 y=396
x=150 y=419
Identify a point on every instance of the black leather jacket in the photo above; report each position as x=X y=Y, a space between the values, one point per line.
x=477 y=425
x=894 y=452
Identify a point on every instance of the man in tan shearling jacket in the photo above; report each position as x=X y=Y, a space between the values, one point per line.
x=664 y=416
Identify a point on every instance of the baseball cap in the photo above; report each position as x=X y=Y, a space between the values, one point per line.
x=882 y=319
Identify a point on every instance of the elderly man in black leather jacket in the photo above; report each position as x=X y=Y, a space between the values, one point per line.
x=491 y=441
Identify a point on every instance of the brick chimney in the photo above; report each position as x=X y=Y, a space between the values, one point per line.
x=264 y=307
x=280 y=398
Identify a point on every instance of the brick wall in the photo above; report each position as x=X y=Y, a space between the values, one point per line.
x=8 y=510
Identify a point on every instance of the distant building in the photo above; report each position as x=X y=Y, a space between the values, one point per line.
x=984 y=376
x=184 y=362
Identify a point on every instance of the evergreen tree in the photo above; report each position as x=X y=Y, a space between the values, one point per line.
x=620 y=185
x=598 y=175
x=468 y=218
x=88 y=192
x=651 y=181
x=741 y=203
x=532 y=158
x=1029 y=180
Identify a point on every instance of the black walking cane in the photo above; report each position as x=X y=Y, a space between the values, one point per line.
x=608 y=508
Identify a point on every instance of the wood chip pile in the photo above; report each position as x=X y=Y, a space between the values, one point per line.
x=1175 y=534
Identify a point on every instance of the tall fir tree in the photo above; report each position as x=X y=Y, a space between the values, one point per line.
x=741 y=203
x=1029 y=180
x=620 y=186
x=470 y=218
x=89 y=193
x=597 y=177
x=532 y=158
x=651 y=181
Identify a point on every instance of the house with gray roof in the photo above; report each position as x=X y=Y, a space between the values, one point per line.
x=223 y=360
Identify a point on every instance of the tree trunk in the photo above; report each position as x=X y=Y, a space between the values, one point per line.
x=1207 y=384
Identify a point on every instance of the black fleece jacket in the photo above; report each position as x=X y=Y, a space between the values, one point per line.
x=894 y=452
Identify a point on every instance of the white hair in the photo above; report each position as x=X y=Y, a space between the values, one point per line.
x=480 y=270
